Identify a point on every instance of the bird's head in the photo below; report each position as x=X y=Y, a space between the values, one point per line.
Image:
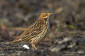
x=44 y=16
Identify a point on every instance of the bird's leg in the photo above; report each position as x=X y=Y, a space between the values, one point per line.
x=33 y=45
x=47 y=39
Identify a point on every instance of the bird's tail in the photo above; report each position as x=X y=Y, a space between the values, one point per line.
x=15 y=41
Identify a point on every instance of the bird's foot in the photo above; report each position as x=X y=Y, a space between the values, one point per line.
x=34 y=47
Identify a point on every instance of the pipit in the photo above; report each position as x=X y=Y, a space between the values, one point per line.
x=35 y=32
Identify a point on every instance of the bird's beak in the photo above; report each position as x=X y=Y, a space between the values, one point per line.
x=51 y=14
x=45 y=15
x=48 y=14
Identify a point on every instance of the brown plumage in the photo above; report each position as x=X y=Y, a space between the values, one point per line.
x=35 y=32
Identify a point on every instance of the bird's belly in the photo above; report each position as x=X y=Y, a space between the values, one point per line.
x=39 y=37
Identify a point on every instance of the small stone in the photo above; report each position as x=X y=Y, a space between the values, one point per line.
x=26 y=46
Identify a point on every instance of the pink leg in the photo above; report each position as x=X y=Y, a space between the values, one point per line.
x=33 y=46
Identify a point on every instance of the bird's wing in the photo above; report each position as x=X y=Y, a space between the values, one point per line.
x=30 y=33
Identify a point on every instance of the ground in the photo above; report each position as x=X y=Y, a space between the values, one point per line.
x=66 y=35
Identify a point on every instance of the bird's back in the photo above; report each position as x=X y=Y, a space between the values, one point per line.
x=35 y=32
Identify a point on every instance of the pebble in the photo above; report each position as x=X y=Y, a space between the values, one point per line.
x=26 y=46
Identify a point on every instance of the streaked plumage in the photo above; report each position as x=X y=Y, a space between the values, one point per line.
x=35 y=32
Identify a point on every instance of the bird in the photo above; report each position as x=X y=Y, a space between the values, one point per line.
x=35 y=32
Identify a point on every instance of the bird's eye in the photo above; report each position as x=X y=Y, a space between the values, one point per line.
x=45 y=15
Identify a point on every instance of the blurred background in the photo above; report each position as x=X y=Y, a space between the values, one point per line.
x=66 y=36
